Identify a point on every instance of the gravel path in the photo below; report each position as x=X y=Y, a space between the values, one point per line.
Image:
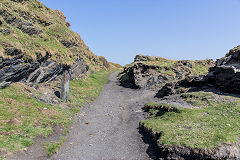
x=107 y=129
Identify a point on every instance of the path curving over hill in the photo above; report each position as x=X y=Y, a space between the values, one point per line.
x=108 y=128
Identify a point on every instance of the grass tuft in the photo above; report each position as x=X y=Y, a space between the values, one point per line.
x=53 y=147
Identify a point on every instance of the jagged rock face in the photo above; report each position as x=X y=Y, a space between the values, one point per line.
x=141 y=58
x=177 y=87
x=41 y=31
x=42 y=71
x=155 y=72
x=79 y=69
x=143 y=76
x=226 y=74
x=26 y=27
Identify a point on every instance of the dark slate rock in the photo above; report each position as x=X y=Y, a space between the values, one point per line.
x=5 y=31
x=16 y=73
x=30 y=30
x=14 y=61
x=12 y=51
x=79 y=69
x=68 y=44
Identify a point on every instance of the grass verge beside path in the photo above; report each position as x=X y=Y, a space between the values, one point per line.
x=23 y=117
x=207 y=127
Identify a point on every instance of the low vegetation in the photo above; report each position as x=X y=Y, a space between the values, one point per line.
x=23 y=117
x=86 y=90
x=52 y=147
x=207 y=126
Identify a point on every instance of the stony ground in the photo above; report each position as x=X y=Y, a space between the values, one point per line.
x=108 y=128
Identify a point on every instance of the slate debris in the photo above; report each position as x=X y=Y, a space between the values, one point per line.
x=5 y=31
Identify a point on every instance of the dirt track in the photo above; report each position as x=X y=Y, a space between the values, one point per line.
x=107 y=129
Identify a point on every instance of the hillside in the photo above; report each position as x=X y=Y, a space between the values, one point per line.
x=30 y=28
x=47 y=73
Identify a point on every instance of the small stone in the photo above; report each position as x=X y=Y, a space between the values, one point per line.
x=228 y=124
x=5 y=31
x=138 y=111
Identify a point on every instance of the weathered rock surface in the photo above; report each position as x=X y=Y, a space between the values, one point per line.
x=5 y=31
x=69 y=44
x=157 y=71
x=226 y=74
x=182 y=86
x=24 y=26
x=42 y=71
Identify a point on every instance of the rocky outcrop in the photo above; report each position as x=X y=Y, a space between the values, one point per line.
x=142 y=76
x=224 y=151
x=141 y=57
x=189 y=83
x=25 y=26
x=155 y=72
x=226 y=74
x=41 y=71
x=69 y=44
x=42 y=31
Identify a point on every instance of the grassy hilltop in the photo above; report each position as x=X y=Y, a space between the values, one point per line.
x=34 y=29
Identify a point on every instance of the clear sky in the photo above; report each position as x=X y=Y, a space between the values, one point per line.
x=175 y=29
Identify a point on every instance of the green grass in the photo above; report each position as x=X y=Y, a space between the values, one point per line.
x=23 y=118
x=53 y=147
x=207 y=127
x=2 y=158
x=199 y=68
x=86 y=90
x=198 y=98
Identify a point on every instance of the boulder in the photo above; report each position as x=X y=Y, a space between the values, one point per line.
x=226 y=74
x=166 y=90
x=141 y=57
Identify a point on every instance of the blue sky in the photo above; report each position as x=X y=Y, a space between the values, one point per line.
x=175 y=29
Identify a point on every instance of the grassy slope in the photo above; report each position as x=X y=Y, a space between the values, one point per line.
x=216 y=121
x=49 y=40
x=22 y=117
